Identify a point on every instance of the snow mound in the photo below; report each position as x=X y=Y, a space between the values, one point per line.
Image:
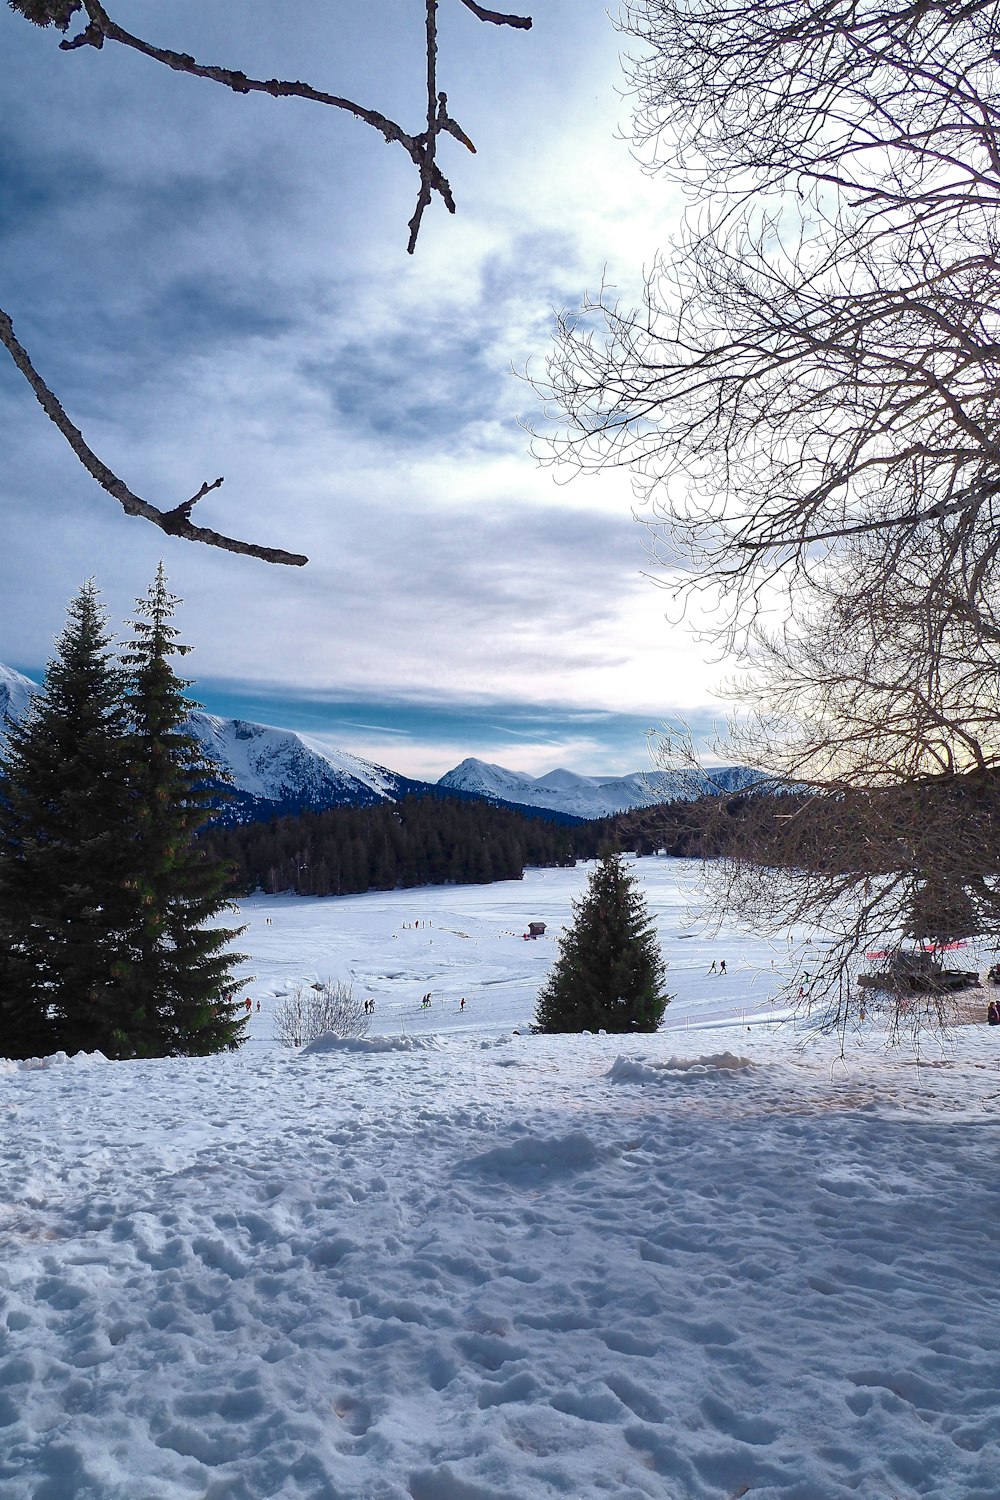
x=328 y=1042
x=55 y=1060
x=537 y=1156
x=632 y=1070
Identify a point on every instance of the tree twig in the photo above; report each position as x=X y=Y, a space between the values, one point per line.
x=497 y=18
x=422 y=150
x=177 y=522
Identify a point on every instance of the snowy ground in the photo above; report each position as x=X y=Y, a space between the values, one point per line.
x=451 y=1263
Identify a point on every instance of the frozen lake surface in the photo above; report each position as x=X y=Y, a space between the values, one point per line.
x=468 y=941
x=452 y=1263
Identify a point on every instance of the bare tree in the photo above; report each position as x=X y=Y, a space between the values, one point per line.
x=888 y=881
x=313 y=1010
x=809 y=401
x=876 y=716
x=818 y=356
x=421 y=146
x=881 y=681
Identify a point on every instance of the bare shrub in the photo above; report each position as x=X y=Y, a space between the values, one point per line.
x=312 y=1010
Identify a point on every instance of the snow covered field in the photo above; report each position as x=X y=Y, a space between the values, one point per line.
x=452 y=1263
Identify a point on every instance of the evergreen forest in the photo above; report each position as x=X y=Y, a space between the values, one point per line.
x=421 y=840
x=105 y=892
x=428 y=839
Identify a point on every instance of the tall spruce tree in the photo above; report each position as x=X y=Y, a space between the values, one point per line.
x=609 y=974
x=179 y=974
x=64 y=846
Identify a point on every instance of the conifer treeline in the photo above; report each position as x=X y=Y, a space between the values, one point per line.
x=428 y=840
x=421 y=840
x=675 y=828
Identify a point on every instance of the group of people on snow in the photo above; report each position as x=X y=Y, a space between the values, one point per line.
x=425 y=1001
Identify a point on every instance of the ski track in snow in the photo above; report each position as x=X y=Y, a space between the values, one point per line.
x=453 y=1263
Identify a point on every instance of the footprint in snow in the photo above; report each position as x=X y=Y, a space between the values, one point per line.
x=355 y=1414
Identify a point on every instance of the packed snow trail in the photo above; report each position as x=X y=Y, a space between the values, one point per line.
x=478 y=1266
x=498 y=1270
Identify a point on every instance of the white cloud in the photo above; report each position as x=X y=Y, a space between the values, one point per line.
x=220 y=286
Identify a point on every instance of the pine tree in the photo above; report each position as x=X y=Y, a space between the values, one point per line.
x=609 y=974
x=179 y=974
x=64 y=849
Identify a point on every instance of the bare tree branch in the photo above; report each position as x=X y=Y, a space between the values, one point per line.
x=177 y=522
x=422 y=150
x=437 y=113
x=817 y=358
x=496 y=17
x=102 y=28
x=938 y=512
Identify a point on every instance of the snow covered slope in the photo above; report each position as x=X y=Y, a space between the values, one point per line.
x=707 y=1263
x=15 y=695
x=278 y=767
x=590 y=796
x=271 y=769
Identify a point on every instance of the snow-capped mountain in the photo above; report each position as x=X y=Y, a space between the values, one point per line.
x=271 y=770
x=278 y=771
x=591 y=796
x=15 y=695
x=275 y=769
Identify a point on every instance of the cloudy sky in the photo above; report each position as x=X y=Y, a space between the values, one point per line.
x=218 y=284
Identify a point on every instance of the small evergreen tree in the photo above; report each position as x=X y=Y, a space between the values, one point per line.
x=64 y=849
x=178 y=974
x=609 y=974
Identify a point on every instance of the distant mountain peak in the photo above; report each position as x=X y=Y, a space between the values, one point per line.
x=271 y=770
x=563 y=778
x=16 y=692
x=275 y=770
x=590 y=796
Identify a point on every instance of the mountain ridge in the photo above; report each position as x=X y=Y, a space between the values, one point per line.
x=572 y=793
x=272 y=771
x=276 y=772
